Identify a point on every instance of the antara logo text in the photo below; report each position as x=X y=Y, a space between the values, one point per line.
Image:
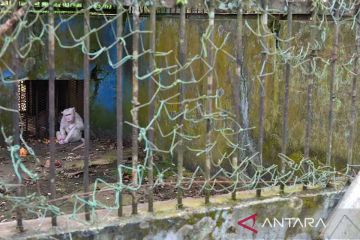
x=281 y=222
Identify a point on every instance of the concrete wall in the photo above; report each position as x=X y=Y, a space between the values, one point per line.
x=217 y=221
x=103 y=120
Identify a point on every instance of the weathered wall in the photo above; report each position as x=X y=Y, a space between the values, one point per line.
x=216 y=222
x=103 y=121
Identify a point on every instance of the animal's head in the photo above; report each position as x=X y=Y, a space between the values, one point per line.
x=69 y=114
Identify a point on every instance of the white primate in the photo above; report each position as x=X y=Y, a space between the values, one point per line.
x=71 y=127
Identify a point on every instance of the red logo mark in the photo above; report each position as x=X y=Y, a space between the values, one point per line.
x=241 y=223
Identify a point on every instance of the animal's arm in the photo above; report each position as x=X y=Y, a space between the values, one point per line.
x=69 y=135
x=62 y=129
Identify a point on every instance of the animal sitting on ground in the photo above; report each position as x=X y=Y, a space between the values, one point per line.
x=71 y=127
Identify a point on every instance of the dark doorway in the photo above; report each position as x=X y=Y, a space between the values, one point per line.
x=33 y=103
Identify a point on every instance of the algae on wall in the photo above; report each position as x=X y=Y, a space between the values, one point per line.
x=274 y=87
x=103 y=101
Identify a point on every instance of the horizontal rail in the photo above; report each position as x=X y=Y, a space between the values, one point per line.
x=249 y=7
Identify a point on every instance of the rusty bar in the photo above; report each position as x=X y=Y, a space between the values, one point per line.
x=287 y=85
x=309 y=98
x=51 y=66
x=354 y=93
x=262 y=80
x=135 y=99
x=16 y=130
x=152 y=106
x=236 y=87
x=309 y=107
x=258 y=192
x=287 y=73
x=86 y=108
x=119 y=100
x=182 y=59
x=332 y=82
x=210 y=90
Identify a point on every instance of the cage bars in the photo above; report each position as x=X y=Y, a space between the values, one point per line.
x=151 y=106
x=210 y=91
x=236 y=90
x=354 y=91
x=332 y=96
x=135 y=100
x=86 y=107
x=182 y=60
x=287 y=74
x=119 y=102
x=51 y=66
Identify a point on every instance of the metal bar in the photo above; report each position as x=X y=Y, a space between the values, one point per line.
x=309 y=98
x=287 y=73
x=182 y=59
x=309 y=107
x=152 y=106
x=51 y=66
x=135 y=99
x=210 y=90
x=262 y=80
x=16 y=130
x=332 y=82
x=354 y=93
x=119 y=100
x=86 y=107
x=236 y=87
x=287 y=84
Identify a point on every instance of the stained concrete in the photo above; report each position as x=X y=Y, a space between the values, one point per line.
x=197 y=221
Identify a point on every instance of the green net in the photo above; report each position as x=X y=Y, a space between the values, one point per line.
x=235 y=161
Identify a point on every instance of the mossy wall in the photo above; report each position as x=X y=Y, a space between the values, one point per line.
x=103 y=82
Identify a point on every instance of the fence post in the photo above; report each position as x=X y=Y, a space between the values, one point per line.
x=264 y=20
x=86 y=106
x=332 y=82
x=287 y=74
x=51 y=66
x=210 y=87
x=119 y=99
x=309 y=103
x=135 y=100
x=236 y=87
x=182 y=60
x=354 y=92
x=16 y=128
x=309 y=96
x=152 y=106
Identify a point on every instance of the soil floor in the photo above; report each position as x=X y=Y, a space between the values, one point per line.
x=69 y=176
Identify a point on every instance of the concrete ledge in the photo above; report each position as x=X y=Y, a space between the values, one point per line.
x=222 y=214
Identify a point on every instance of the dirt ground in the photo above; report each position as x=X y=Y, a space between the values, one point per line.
x=69 y=175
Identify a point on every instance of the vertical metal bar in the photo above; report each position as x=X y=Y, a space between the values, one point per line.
x=309 y=100
x=51 y=66
x=309 y=106
x=354 y=92
x=287 y=84
x=210 y=87
x=332 y=82
x=135 y=99
x=286 y=99
x=262 y=80
x=152 y=106
x=239 y=65
x=86 y=106
x=16 y=129
x=119 y=98
x=182 y=59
